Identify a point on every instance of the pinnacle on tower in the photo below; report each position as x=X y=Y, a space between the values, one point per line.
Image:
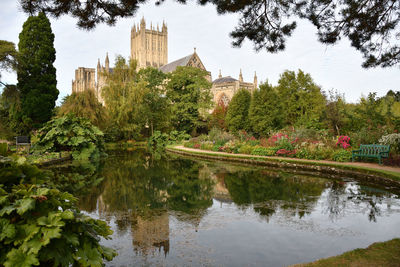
x=255 y=80
x=98 y=63
x=143 y=24
x=240 y=76
x=107 y=63
x=194 y=50
x=220 y=75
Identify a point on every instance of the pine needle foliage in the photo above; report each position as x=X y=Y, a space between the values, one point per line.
x=36 y=73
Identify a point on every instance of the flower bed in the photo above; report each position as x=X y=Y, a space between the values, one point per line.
x=279 y=144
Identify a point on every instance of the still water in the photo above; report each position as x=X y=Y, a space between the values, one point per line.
x=174 y=211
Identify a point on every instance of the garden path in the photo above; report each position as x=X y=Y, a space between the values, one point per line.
x=357 y=164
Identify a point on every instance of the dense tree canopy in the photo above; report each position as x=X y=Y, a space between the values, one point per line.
x=238 y=111
x=36 y=74
x=371 y=26
x=265 y=111
x=302 y=100
x=122 y=95
x=85 y=104
x=189 y=92
x=155 y=106
x=8 y=56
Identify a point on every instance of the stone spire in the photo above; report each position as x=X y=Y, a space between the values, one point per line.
x=143 y=24
x=98 y=64
x=194 y=50
x=133 y=30
x=164 y=26
x=107 y=63
x=240 y=76
x=255 y=80
x=220 y=75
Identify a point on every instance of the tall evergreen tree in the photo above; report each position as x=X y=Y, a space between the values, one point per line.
x=36 y=74
x=265 y=110
x=238 y=111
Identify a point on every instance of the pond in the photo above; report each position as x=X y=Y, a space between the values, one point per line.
x=178 y=211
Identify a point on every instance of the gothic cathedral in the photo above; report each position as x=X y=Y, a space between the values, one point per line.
x=149 y=47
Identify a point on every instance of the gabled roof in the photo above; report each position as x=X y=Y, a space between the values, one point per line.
x=170 y=67
x=227 y=79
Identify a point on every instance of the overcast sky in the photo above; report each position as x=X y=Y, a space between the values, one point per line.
x=332 y=67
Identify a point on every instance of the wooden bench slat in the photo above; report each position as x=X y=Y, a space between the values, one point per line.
x=372 y=151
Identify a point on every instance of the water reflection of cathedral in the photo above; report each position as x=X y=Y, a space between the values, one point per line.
x=151 y=234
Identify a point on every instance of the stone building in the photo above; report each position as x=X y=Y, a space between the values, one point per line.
x=149 y=47
x=192 y=60
x=101 y=77
x=84 y=80
x=224 y=88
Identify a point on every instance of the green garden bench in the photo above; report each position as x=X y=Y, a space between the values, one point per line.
x=372 y=151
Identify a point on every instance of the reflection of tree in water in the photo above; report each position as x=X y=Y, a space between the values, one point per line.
x=269 y=191
x=138 y=190
x=82 y=179
x=369 y=200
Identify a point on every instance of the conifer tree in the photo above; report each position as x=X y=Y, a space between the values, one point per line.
x=238 y=111
x=36 y=74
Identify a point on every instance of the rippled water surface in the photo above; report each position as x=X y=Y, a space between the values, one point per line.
x=177 y=211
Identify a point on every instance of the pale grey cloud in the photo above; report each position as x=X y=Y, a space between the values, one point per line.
x=332 y=67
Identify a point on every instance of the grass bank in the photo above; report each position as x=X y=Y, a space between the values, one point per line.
x=370 y=173
x=378 y=254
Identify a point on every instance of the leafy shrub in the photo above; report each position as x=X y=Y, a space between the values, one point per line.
x=219 y=136
x=178 y=136
x=188 y=144
x=245 y=149
x=40 y=224
x=70 y=133
x=368 y=135
x=158 y=140
x=206 y=146
x=342 y=155
x=315 y=152
x=391 y=139
x=284 y=143
x=263 y=151
x=3 y=149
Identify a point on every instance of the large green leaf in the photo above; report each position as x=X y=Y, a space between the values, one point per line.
x=25 y=204
x=49 y=233
x=18 y=258
x=7 y=230
x=53 y=219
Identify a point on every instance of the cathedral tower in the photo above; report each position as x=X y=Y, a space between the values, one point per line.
x=149 y=46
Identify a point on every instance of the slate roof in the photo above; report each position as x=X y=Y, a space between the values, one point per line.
x=170 y=67
x=227 y=79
